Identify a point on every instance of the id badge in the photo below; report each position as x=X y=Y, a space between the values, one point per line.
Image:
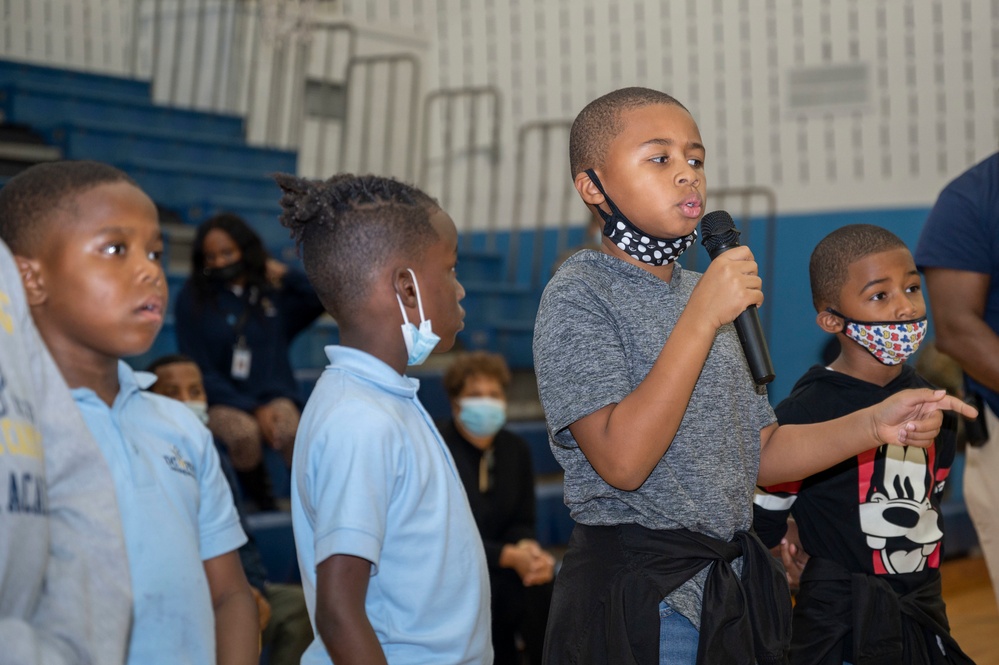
x=241 y=357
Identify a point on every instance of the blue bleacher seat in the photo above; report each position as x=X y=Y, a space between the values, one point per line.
x=535 y=432
x=48 y=105
x=115 y=142
x=275 y=539
x=12 y=71
x=554 y=523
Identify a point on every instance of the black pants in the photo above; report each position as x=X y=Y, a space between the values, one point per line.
x=518 y=610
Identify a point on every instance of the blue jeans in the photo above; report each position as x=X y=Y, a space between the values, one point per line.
x=677 y=637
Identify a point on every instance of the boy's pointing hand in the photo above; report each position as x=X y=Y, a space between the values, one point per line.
x=913 y=417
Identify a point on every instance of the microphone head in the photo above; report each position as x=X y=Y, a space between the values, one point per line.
x=718 y=231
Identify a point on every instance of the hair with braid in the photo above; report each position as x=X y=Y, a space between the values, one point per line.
x=251 y=247
x=599 y=123
x=829 y=266
x=30 y=200
x=349 y=226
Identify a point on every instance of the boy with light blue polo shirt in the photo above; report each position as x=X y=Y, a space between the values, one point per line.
x=88 y=245
x=391 y=560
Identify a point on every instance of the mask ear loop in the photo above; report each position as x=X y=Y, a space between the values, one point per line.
x=837 y=314
x=419 y=301
x=608 y=218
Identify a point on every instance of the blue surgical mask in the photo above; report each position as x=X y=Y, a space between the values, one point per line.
x=482 y=416
x=420 y=342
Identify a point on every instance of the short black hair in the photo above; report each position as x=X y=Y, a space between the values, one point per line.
x=349 y=226
x=169 y=359
x=599 y=123
x=254 y=256
x=29 y=200
x=830 y=263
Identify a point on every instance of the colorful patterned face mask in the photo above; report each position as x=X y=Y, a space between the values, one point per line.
x=891 y=342
x=635 y=242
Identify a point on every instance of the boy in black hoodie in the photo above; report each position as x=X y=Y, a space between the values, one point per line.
x=870 y=591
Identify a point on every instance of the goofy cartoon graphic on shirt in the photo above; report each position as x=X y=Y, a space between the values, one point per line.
x=902 y=526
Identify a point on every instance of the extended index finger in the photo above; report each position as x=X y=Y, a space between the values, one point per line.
x=952 y=403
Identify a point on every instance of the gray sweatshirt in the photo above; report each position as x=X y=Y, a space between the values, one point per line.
x=64 y=587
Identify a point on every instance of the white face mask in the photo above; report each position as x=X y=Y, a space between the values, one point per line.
x=200 y=409
x=420 y=342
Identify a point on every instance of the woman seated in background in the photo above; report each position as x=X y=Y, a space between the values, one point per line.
x=495 y=468
x=236 y=317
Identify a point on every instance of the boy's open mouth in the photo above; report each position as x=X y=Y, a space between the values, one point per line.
x=691 y=207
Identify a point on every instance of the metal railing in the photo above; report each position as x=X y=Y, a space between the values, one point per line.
x=460 y=187
x=223 y=56
x=552 y=202
x=367 y=146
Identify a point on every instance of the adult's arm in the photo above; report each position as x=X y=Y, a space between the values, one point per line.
x=520 y=549
x=957 y=300
x=341 y=618
x=523 y=525
x=300 y=304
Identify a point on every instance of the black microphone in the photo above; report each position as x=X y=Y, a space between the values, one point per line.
x=718 y=234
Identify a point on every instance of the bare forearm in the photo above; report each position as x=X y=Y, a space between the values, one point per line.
x=237 y=630
x=793 y=452
x=959 y=299
x=350 y=639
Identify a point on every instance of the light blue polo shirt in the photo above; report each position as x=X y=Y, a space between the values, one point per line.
x=372 y=478
x=176 y=509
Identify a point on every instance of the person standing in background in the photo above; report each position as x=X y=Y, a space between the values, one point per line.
x=958 y=252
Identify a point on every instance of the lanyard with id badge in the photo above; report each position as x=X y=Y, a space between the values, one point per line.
x=242 y=356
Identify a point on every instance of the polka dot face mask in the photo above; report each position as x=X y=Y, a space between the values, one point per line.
x=635 y=242
x=891 y=342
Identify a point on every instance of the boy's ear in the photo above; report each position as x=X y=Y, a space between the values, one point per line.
x=587 y=189
x=31 y=277
x=829 y=322
x=402 y=283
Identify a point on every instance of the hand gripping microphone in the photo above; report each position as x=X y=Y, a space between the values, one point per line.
x=718 y=234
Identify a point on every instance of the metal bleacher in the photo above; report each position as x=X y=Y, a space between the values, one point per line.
x=196 y=163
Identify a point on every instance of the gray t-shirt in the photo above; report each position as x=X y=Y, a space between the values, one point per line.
x=601 y=325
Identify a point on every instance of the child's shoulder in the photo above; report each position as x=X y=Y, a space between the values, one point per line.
x=347 y=405
x=810 y=393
